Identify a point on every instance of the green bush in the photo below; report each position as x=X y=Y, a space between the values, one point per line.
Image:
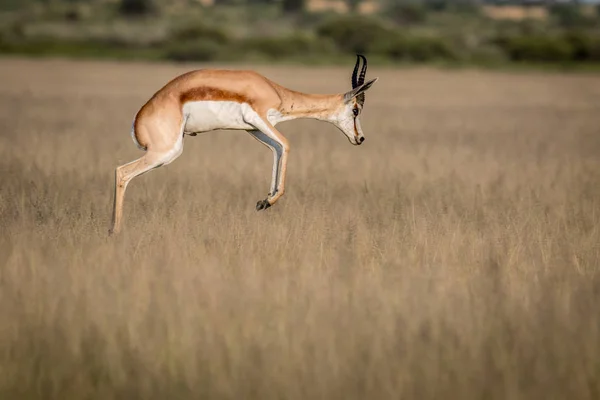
x=86 y=48
x=396 y=48
x=430 y=49
x=537 y=48
x=135 y=8
x=406 y=13
x=195 y=31
x=194 y=50
x=585 y=46
x=196 y=42
x=285 y=47
x=355 y=34
x=437 y=5
x=568 y=15
x=464 y=6
x=353 y=5
x=416 y=48
x=292 y=6
x=487 y=55
x=14 y=5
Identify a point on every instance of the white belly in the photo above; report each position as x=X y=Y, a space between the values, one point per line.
x=204 y=116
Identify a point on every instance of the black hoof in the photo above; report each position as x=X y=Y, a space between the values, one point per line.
x=262 y=205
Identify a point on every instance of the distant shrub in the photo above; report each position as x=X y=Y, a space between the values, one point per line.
x=406 y=13
x=537 y=48
x=430 y=48
x=197 y=30
x=285 y=47
x=416 y=48
x=194 y=50
x=269 y=46
x=568 y=15
x=585 y=47
x=16 y=30
x=437 y=5
x=396 y=48
x=12 y=5
x=292 y=6
x=135 y=8
x=355 y=34
x=353 y=4
x=464 y=6
x=72 y=15
x=196 y=42
x=487 y=55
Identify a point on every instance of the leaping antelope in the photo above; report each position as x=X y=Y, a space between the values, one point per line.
x=205 y=100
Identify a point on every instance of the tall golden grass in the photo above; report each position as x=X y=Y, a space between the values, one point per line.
x=455 y=255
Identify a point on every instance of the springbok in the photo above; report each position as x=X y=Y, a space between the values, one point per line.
x=205 y=100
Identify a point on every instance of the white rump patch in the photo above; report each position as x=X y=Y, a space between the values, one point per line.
x=177 y=149
x=139 y=146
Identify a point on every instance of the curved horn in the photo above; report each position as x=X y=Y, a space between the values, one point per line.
x=363 y=71
x=355 y=72
x=361 y=78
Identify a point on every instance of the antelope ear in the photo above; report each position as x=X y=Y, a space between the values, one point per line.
x=358 y=90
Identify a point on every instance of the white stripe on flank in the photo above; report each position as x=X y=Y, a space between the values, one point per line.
x=208 y=115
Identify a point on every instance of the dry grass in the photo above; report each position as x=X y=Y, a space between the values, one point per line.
x=455 y=255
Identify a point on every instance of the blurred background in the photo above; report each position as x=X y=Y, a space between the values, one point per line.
x=453 y=32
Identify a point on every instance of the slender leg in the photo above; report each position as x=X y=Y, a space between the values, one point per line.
x=271 y=138
x=277 y=150
x=125 y=173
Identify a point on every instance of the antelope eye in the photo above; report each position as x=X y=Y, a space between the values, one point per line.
x=355 y=111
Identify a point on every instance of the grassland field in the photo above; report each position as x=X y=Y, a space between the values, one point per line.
x=454 y=255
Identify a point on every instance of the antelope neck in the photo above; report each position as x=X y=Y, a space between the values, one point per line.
x=303 y=105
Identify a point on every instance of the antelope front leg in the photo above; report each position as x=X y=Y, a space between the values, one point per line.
x=279 y=146
x=280 y=153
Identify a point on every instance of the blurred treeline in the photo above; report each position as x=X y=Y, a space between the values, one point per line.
x=310 y=31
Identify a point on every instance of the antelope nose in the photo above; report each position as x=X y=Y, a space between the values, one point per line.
x=362 y=139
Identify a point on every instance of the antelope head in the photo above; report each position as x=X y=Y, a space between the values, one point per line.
x=346 y=117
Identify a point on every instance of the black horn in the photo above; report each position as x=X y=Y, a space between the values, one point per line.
x=359 y=79
x=363 y=71
x=355 y=72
